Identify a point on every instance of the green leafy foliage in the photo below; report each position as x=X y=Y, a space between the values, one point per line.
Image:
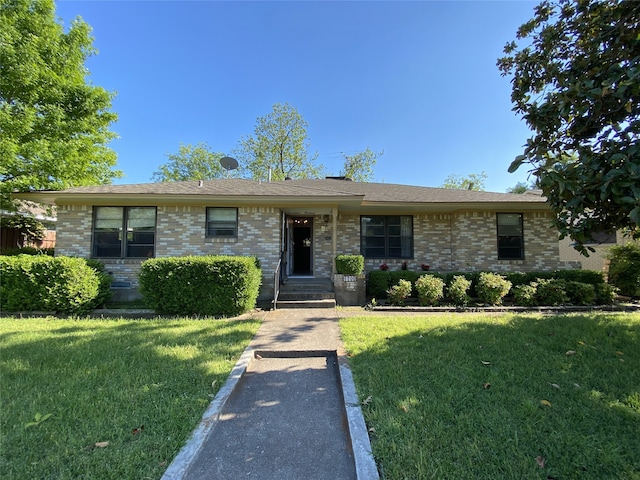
x=474 y=181
x=605 y=294
x=28 y=251
x=349 y=264
x=280 y=144
x=624 y=269
x=430 y=289
x=457 y=290
x=58 y=284
x=30 y=227
x=551 y=291
x=208 y=285
x=359 y=167
x=54 y=124
x=398 y=293
x=378 y=282
x=524 y=295
x=492 y=288
x=192 y=162
x=580 y=293
x=576 y=82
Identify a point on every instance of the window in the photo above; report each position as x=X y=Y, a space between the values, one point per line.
x=222 y=222
x=510 y=237
x=124 y=232
x=386 y=236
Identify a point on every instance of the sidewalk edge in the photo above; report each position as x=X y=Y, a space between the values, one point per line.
x=188 y=452
x=366 y=468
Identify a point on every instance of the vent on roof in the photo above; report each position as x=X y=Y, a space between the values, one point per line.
x=346 y=179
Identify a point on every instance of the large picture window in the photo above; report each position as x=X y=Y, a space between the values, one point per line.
x=386 y=236
x=510 y=236
x=124 y=232
x=222 y=222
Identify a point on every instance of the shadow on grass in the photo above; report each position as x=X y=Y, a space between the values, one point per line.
x=483 y=397
x=102 y=381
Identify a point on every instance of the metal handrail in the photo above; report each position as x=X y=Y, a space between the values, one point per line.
x=276 y=284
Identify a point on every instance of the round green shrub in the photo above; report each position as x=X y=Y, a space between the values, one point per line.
x=492 y=288
x=551 y=292
x=398 y=293
x=59 y=284
x=580 y=293
x=430 y=289
x=525 y=295
x=457 y=290
x=605 y=294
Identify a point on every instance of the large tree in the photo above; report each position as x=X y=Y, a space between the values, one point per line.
x=575 y=72
x=279 y=144
x=192 y=162
x=54 y=124
x=474 y=181
x=359 y=166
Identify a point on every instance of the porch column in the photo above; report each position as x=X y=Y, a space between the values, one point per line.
x=334 y=239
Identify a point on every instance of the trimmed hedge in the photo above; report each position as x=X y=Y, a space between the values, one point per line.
x=60 y=284
x=207 y=285
x=349 y=264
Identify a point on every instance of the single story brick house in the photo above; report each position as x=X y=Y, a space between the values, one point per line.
x=300 y=226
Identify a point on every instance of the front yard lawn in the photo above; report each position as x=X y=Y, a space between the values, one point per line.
x=500 y=396
x=107 y=399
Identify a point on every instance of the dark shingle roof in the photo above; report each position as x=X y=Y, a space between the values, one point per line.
x=305 y=191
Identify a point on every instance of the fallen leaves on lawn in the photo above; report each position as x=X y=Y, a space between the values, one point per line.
x=404 y=408
x=138 y=430
x=101 y=444
x=38 y=419
x=486 y=385
x=540 y=461
x=555 y=385
x=570 y=352
x=546 y=403
x=367 y=400
x=484 y=362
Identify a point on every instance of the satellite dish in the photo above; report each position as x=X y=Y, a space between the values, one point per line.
x=228 y=164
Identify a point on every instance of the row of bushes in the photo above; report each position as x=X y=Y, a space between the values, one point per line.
x=59 y=284
x=379 y=281
x=209 y=285
x=492 y=288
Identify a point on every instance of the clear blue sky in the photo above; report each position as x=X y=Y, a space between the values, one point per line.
x=415 y=79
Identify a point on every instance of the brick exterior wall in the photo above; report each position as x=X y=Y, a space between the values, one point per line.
x=461 y=241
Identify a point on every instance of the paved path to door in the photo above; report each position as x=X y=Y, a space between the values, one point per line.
x=288 y=411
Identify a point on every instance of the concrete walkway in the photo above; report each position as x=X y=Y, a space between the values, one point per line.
x=288 y=410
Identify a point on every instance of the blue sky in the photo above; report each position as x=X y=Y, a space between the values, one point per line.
x=415 y=79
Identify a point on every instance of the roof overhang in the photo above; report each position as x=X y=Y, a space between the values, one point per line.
x=291 y=204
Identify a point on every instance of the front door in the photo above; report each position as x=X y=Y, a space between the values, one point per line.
x=301 y=242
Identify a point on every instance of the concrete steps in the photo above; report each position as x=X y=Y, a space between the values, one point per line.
x=306 y=293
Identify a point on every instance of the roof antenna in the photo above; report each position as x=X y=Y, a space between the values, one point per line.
x=228 y=164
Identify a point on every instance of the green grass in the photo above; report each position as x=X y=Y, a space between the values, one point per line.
x=437 y=411
x=101 y=381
